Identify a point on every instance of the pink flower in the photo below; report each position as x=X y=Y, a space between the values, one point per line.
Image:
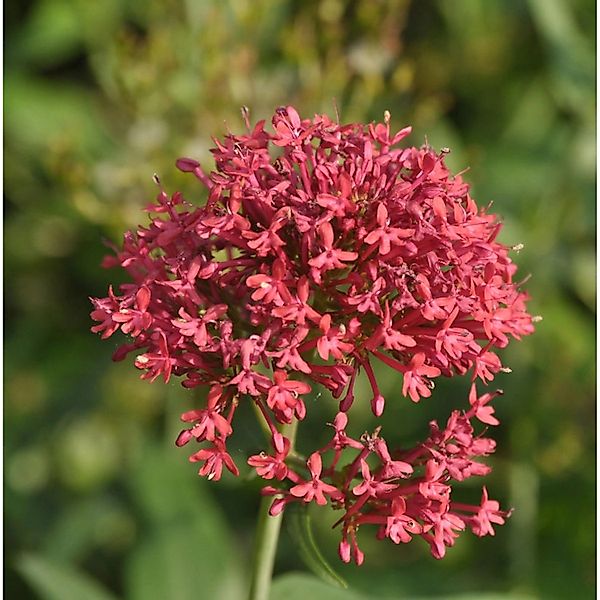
x=269 y=287
x=480 y=406
x=386 y=236
x=320 y=247
x=114 y=314
x=214 y=457
x=297 y=310
x=269 y=467
x=399 y=525
x=331 y=340
x=266 y=242
x=315 y=488
x=485 y=516
x=340 y=439
x=330 y=258
x=370 y=485
x=488 y=513
x=198 y=328
x=445 y=527
x=414 y=383
x=392 y=338
x=391 y=468
x=283 y=397
x=156 y=363
x=208 y=422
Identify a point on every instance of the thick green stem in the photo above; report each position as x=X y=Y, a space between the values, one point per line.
x=267 y=536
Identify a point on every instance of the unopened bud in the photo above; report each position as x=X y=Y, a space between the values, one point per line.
x=183 y=438
x=344 y=551
x=377 y=405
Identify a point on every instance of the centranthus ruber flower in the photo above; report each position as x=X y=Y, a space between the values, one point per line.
x=319 y=249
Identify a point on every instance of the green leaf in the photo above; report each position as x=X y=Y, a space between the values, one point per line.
x=42 y=114
x=178 y=561
x=571 y=54
x=55 y=581
x=167 y=489
x=188 y=552
x=484 y=596
x=51 y=35
x=299 y=586
x=300 y=529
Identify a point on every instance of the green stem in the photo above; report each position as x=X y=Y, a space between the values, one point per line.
x=267 y=536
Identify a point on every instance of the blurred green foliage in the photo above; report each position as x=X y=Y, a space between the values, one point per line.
x=99 y=96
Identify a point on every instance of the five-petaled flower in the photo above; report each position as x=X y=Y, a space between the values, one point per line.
x=315 y=487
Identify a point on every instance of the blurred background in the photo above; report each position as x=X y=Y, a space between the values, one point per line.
x=98 y=96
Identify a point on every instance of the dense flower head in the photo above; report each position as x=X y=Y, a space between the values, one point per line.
x=320 y=249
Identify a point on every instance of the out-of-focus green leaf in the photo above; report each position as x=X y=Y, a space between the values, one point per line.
x=42 y=114
x=179 y=561
x=188 y=546
x=296 y=586
x=91 y=522
x=54 y=581
x=98 y=22
x=572 y=56
x=532 y=117
x=167 y=489
x=584 y=277
x=481 y=596
x=52 y=34
x=87 y=454
x=298 y=519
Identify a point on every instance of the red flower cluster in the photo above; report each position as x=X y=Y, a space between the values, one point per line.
x=305 y=264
